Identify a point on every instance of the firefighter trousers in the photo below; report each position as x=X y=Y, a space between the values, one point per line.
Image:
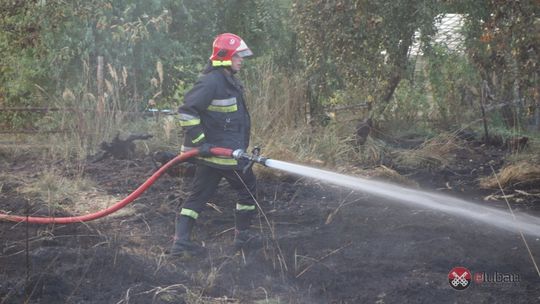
x=205 y=185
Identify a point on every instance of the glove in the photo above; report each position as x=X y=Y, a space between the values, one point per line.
x=204 y=150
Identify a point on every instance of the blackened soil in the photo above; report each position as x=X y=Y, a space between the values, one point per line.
x=324 y=245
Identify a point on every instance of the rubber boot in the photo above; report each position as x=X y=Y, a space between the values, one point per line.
x=246 y=238
x=183 y=245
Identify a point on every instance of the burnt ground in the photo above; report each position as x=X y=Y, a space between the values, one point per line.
x=326 y=245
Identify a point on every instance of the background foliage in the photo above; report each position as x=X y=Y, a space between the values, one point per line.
x=348 y=52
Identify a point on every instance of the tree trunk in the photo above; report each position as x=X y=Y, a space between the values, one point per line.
x=399 y=66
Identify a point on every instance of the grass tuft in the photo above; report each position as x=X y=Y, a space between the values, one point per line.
x=435 y=153
x=521 y=174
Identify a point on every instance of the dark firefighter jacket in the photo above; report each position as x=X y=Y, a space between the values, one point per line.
x=215 y=112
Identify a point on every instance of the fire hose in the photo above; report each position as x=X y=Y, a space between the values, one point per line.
x=216 y=151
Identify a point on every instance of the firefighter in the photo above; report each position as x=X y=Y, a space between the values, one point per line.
x=214 y=113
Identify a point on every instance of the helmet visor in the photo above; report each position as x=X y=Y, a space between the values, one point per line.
x=243 y=50
x=244 y=53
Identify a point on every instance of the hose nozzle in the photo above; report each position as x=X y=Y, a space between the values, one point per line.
x=254 y=157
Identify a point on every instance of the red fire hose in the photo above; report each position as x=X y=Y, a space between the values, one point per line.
x=130 y=198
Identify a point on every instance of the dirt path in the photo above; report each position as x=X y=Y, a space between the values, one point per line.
x=331 y=245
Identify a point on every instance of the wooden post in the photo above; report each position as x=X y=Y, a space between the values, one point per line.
x=101 y=96
x=484 y=90
x=535 y=120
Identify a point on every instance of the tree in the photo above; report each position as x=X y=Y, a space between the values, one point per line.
x=359 y=46
x=503 y=40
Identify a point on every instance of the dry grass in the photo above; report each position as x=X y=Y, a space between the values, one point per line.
x=277 y=101
x=437 y=152
x=373 y=152
x=522 y=169
x=322 y=149
x=77 y=196
x=523 y=173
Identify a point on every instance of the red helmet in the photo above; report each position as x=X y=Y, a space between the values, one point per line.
x=225 y=46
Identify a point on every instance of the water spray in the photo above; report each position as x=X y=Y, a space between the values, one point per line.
x=450 y=205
